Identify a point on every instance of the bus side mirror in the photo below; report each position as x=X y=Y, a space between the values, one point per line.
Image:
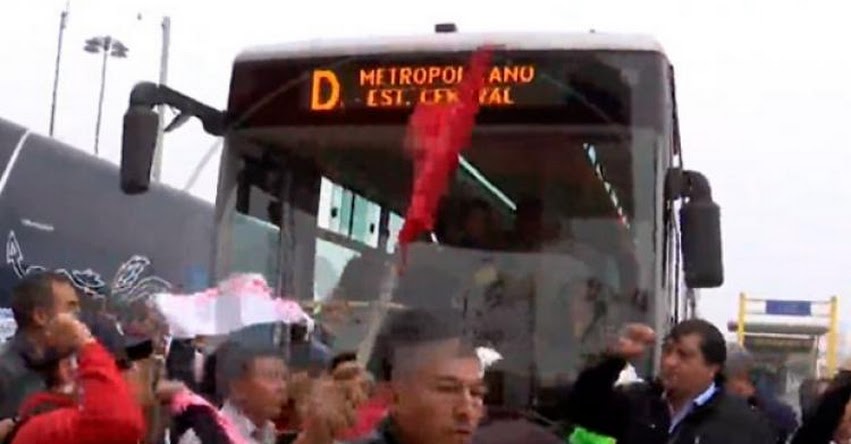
x=700 y=225
x=138 y=143
x=703 y=265
x=141 y=128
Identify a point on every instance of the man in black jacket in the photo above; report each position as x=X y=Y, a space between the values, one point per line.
x=685 y=405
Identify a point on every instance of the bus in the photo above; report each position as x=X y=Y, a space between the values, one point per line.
x=571 y=212
x=60 y=210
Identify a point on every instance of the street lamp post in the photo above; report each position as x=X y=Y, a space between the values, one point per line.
x=110 y=47
x=165 y=30
x=156 y=170
x=63 y=23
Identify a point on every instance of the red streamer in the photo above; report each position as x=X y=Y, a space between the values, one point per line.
x=436 y=135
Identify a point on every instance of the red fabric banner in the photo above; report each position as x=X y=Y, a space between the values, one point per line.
x=436 y=135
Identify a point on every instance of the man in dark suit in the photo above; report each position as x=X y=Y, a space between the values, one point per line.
x=686 y=404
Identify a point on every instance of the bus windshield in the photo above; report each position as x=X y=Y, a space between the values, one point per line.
x=544 y=244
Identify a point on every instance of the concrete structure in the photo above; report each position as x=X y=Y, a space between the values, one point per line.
x=791 y=340
x=790 y=326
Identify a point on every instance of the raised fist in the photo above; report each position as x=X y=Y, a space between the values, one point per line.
x=634 y=341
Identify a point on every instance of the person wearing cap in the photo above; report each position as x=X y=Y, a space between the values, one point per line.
x=105 y=411
x=738 y=371
x=252 y=380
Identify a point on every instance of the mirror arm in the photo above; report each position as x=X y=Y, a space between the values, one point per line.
x=697 y=186
x=148 y=95
x=687 y=184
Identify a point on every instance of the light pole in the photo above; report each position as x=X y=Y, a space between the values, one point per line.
x=156 y=171
x=63 y=22
x=165 y=29
x=110 y=47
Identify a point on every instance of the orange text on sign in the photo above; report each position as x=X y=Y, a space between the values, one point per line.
x=406 y=86
x=429 y=76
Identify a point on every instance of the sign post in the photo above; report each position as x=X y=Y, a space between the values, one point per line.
x=833 y=337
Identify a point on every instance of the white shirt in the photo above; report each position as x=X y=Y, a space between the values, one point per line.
x=703 y=398
x=244 y=426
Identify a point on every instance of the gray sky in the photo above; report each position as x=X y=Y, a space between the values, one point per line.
x=764 y=96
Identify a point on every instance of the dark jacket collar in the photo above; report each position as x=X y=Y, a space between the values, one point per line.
x=20 y=343
x=22 y=348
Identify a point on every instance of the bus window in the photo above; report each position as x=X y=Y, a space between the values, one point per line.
x=331 y=260
x=343 y=212
x=254 y=235
x=394 y=225
x=254 y=242
x=349 y=214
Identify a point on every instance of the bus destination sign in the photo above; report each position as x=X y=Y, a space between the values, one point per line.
x=404 y=86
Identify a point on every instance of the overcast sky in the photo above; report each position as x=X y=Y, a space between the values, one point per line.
x=764 y=97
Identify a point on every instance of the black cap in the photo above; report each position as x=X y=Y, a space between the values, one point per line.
x=311 y=355
x=106 y=331
x=125 y=349
x=138 y=348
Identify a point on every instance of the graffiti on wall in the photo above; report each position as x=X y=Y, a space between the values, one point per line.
x=133 y=281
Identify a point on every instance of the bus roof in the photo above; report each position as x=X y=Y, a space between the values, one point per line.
x=450 y=42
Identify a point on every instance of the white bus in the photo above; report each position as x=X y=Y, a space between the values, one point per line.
x=571 y=212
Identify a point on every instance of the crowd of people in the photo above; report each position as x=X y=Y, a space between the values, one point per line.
x=73 y=375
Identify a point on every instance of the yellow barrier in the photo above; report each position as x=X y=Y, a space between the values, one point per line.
x=833 y=337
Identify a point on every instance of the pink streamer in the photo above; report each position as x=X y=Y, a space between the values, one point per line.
x=185 y=398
